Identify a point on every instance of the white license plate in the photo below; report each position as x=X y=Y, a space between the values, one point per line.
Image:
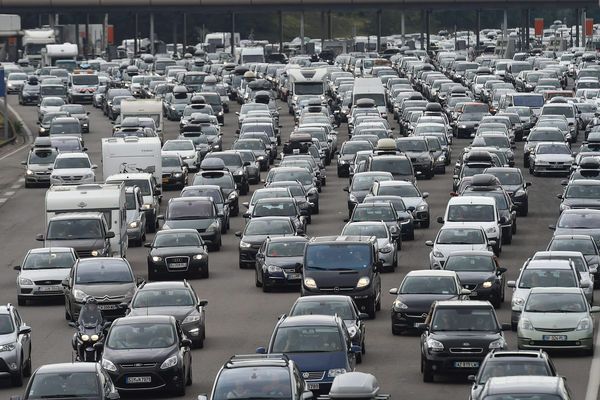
x=139 y=379
x=294 y=276
x=49 y=289
x=177 y=265
x=312 y=386
x=466 y=364
x=107 y=306
x=554 y=338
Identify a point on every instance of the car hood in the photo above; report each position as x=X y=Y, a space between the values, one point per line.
x=466 y=338
x=168 y=170
x=40 y=167
x=320 y=361
x=554 y=158
x=347 y=279
x=178 y=312
x=182 y=153
x=102 y=292
x=71 y=171
x=554 y=320
x=421 y=303
x=413 y=201
x=131 y=356
x=189 y=223
x=259 y=239
x=475 y=277
x=77 y=244
x=50 y=274
x=512 y=188
x=284 y=261
x=176 y=251
x=359 y=194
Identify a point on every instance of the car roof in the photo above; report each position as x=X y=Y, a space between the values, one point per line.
x=340 y=239
x=462 y=303
x=51 y=250
x=523 y=384
x=174 y=231
x=471 y=253
x=549 y=264
x=304 y=320
x=323 y=298
x=584 y=182
x=558 y=253
x=67 y=367
x=165 y=285
x=572 y=237
x=285 y=239
x=144 y=319
x=472 y=200
x=552 y=290
x=431 y=272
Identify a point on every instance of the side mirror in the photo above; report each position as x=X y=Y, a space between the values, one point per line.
x=72 y=324
x=24 y=162
x=393 y=291
x=502 y=220
x=203 y=303
x=261 y=350
x=425 y=195
x=364 y=316
x=552 y=227
x=39 y=237
x=429 y=243
x=492 y=242
x=440 y=220
x=246 y=204
x=148 y=245
x=109 y=235
x=355 y=349
x=139 y=280
x=65 y=282
x=18 y=268
x=186 y=343
x=559 y=196
x=246 y=215
x=203 y=396
x=584 y=284
x=500 y=271
x=595 y=309
x=511 y=284
x=23 y=330
x=99 y=346
x=465 y=292
x=346 y=189
x=238 y=234
x=422 y=327
x=160 y=217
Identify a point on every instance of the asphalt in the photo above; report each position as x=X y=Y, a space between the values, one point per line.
x=240 y=317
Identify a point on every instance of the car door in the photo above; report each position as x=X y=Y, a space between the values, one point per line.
x=184 y=351
x=23 y=339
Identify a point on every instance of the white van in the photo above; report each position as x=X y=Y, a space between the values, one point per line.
x=109 y=199
x=252 y=55
x=131 y=154
x=479 y=210
x=149 y=108
x=370 y=88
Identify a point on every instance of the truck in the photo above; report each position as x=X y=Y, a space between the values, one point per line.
x=108 y=199
x=252 y=55
x=34 y=40
x=60 y=56
x=131 y=154
x=152 y=108
x=221 y=40
x=82 y=85
x=305 y=82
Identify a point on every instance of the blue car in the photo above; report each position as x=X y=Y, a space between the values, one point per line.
x=319 y=345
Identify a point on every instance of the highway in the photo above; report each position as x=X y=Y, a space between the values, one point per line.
x=240 y=317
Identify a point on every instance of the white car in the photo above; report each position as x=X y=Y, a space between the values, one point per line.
x=551 y=158
x=72 y=169
x=184 y=148
x=50 y=104
x=460 y=238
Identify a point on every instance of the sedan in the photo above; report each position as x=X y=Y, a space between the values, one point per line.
x=256 y=232
x=452 y=239
x=550 y=158
x=177 y=252
x=174 y=171
x=279 y=262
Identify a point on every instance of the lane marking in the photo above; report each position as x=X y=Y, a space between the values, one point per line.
x=9 y=193
x=594 y=376
x=16 y=186
x=3 y=200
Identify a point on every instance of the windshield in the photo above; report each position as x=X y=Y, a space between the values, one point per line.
x=579 y=220
x=470 y=263
x=377 y=230
x=340 y=257
x=304 y=177
x=547 y=278
x=42 y=156
x=48 y=260
x=501 y=203
x=190 y=210
x=471 y=213
x=399 y=166
x=585 y=246
x=64 y=385
x=464 y=319
x=546 y=136
x=85 y=79
x=52 y=91
x=507 y=178
x=178 y=145
x=498 y=368
x=342 y=309
x=553 y=149
x=428 y=285
x=274 y=208
x=225 y=181
x=141 y=336
x=286 y=249
x=411 y=145
x=265 y=226
x=67 y=144
x=308 y=88
x=308 y=339
x=373 y=213
x=71 y=229
x=351 y=148
x=523 y=396
x=461 y=236
x=171 y=162
x=163 y=298
x=253 y=383
x=168 y=239
x=556 y=303
x=555 y=110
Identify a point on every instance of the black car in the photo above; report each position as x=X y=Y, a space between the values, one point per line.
x=216 y=194
x=177 y=299
x=279 y=207
x=299 y=193
x=342 y=306
x=179 y=252
x=361 y=184
x=174 y=171
x=467 y=124
x=30 y=94
x=379 y=211
x=223 y=179
x=457 y=336
x=78 y=380
x=234 y=163
x=513 y=183
x=257 y=147
x=199 y=213
x=479 y=272
x=148 y=353
x=405 y=217
x=256 y=232
x=279 y=262
x=346 y=154
x=344 y=264
x=417 y=148
x=416 y=293
x=311 y=184
x=511 y=363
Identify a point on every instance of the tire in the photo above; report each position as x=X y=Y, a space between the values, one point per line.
x=411 y=235
x=514 y=228
x=179 y=392
x=204 y=274
x=17 y=380
x=513 y=326
x=427 y=372
x=396 y=331
x=372 y=310
x=316 y=209
x=27 y=368
x=151 y=276
x=188 y=381
x=67 y=314
x=524 y=210
x=21 y=301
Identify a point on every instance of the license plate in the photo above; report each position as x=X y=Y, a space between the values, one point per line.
x=466 y=364
x=177 y=265
x=165 y=180
x=294 y=276
x=554 y=338
x=139 y=379
x=107 y=306
x=473 y=293
x=556 y=166
x=49 y=289
x=312 y=386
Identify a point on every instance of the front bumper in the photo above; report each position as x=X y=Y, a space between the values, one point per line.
x=163 y=267
x=38 y=290
x=170 y=378
x=248 y=255
x=569 y=340
x=407 y=320
x=552 y=168
x=446 y=362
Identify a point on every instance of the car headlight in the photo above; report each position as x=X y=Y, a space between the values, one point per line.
x=463 y=127
x=352 y=331
x=332 y=373
x=187 y=157
x=260 y=158
x=232 y=195
x=134 y=224
x=584 y=325
x=244 y=245
x=441 y=158
x=198 y=256
x=387 y=248
x=177 y=174
x=491 y=229
x=85 y=338
x=342 y=162
x=398 y=305
x=437 y=254
x=310 y=283
x=487 y=284
x=238 y=172
x=525 y=324
x=7 y=347
x=42 y=129
x=422 y=207
x=363 y=282
x=520 y=192
x=94 y=338
x=352 y=198
x=156 y=258
x=98 y=252
x=25 y=281
x=146 y=206
x=517 y=303
x=108 y=365
x=434 y=345
x=29 y=172
x=191 y=318
x=213 y=227
x=497 y=344
x=274 y=269
x=169 y=362
x=79 y=295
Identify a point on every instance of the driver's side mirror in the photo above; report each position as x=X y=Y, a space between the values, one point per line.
x=186 y=342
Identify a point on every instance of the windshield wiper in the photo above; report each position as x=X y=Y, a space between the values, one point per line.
x=61 y=396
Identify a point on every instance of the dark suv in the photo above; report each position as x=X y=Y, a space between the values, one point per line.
x=457 y=335
x=347 y=265
x=418 y=150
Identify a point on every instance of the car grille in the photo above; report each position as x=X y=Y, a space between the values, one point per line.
x=470 y=287
x=420 y=317
x=338 y=289
x=466 y=350
x=166 y=175
x=43 y=173
x=554 y=330
x=177 y=260
x=138 y=365
x=313 y=375
x=48 y=282
x=74 y=178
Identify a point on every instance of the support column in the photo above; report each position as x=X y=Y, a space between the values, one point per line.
x=152 y=49
x=232 y=43
x=184 y=38
x=403 y=27
x=583 y=32
x=175 y=52
x=280 y=31
x=87 y=37
x=427 y=28
x=329 y=26
x=423 y=29
x=105 y=34
x=505 y=25
x=51 y=20
x=527 y=25
x=80 y=49
x=302 y=47
x=378 y=31
x=478 y=28
x=577 y=19
x=322 y=29
x=136 y=37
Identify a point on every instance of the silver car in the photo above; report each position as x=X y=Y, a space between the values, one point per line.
x=387 y=246
x=550 y=158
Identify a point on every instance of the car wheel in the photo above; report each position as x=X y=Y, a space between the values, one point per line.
x=67 y=313
x=27 y=367
x=396 y=331
x=17 y=379
x=514 y=228
x=188 y=381
x=224 y=228
x=204 y=274
x=411 y=235
x=359 y=358
x=372 y=309
x=427 y=371
x=22 y=301
x=316 y=208
x=151 y=276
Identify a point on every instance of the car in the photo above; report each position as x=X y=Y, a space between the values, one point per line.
x=580 y=193
x=216 y=194
x=539 y=135
x=136 y=217
x=70 y=380
x=399 y=165
x=224 y=179
x=148 y=353
x=457 y=336
x=479 y=272
x=46 y=119
x=39 y=163
x=16 y=345
x=451 y=239
x=306 y=178
x=30 y=94
x=50 y=104
x=298 y=192
x=279 y=262
x=361 y=185
x=72 y=169
x=404 y=219
x=578 y=222
x=550 y=158
x=42 y=272
x=184 y=148
x=108 y=279
x=387 y=244
x=346 y=155
x=417 y=292
x=177 y=252
x=348 y=265
x=319 y=344
x=177 y=299
x=557 y=318
x=198 y=213
x=174 y=171
x=553 y=387
x=256 y=232
x=77 y=111
x=234 y=163
x=413 y=198
x=253 y=168
x=259 y=376
x=581 y=243
x=514 y=184
x=541 y=273
x=257 y=147
x=417 y=149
